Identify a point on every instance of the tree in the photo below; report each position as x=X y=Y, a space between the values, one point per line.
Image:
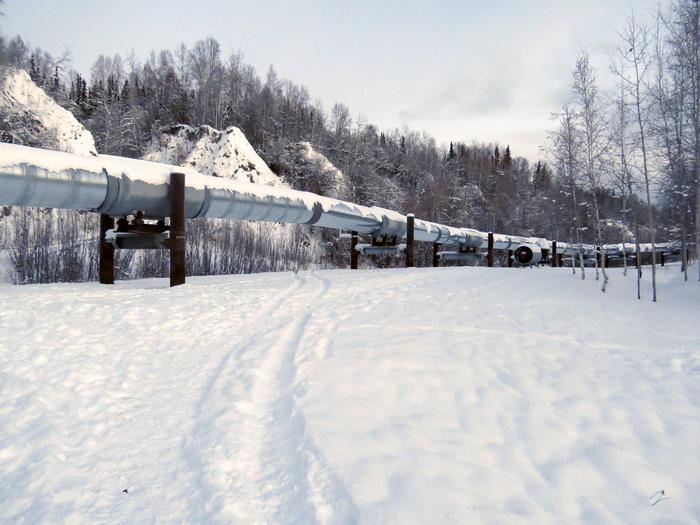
x=565 y=147
x=593 y=126
x=675 y=120
x=635 y=54
x=622 y=175
x=507 y=160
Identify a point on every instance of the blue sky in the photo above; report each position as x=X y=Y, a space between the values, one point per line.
x=469 y=70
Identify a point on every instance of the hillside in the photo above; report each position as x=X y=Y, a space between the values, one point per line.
x=395 y=396
x=33 y=118
x=330 y=181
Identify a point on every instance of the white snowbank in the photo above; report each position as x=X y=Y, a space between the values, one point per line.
x=225 y=154
x=392 y=396
x=28 y=108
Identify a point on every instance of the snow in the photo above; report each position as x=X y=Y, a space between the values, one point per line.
x=28 y=110
x=225 y=153
x=449 y=395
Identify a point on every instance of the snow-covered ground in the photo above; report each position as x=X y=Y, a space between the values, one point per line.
x=451 y=395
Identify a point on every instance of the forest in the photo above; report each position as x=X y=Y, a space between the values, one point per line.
x=618 y=166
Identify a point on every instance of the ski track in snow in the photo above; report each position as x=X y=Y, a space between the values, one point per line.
x=252 y=455
x=394 y=396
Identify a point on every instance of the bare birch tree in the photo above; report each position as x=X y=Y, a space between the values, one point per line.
x=622 y=175
x=674 y=123
x=594 y=137
x=565 y=147
x=635 y=53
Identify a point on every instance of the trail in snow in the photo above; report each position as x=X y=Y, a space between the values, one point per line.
x=411 y=396
x=254 y=459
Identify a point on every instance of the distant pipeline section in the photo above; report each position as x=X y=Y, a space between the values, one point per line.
x=120 y=187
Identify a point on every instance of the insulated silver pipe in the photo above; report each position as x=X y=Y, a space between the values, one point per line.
x=119 y=186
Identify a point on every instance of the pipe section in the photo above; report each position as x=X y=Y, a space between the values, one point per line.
x=118 y=187
x=528 y=254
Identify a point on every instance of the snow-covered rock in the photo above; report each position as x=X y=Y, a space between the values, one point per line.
x=334 y=180
x=29 y=116
x=225 y=153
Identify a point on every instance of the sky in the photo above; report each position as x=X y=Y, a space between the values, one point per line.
x=490 y=71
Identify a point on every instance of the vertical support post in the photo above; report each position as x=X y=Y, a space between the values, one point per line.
x=662 y=258
x=178 y=234
x=599 y=255
x=436 y=262
x=354 y=256
x=553 y=255
x=409 y=240
x=489 y=255
x=510 y=258
x=106 y=263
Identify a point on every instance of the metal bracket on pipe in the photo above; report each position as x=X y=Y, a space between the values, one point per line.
x=138 y=241
x=460 y=256
x=369 y=249
x=138 y=235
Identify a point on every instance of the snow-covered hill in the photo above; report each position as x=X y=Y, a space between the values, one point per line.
x=219 y=153
x=393 y=396
x=35 y=119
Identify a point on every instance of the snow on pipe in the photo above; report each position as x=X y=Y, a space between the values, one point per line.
x=119 y=186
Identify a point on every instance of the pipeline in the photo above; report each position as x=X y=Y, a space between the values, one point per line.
x=118 y=187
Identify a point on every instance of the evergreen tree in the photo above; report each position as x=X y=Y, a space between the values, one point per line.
x=56 y=84
x=507 y=160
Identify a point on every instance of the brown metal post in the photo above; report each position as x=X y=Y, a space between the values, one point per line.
x=489 y=255
x=354 y=256
x=177 y=229
x=436 y=262
x=510 y=258
x=553 y=255
x=106 y=263
x=409 y=240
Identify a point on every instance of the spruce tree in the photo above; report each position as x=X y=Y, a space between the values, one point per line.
x=507 y=160
x=56 y=84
